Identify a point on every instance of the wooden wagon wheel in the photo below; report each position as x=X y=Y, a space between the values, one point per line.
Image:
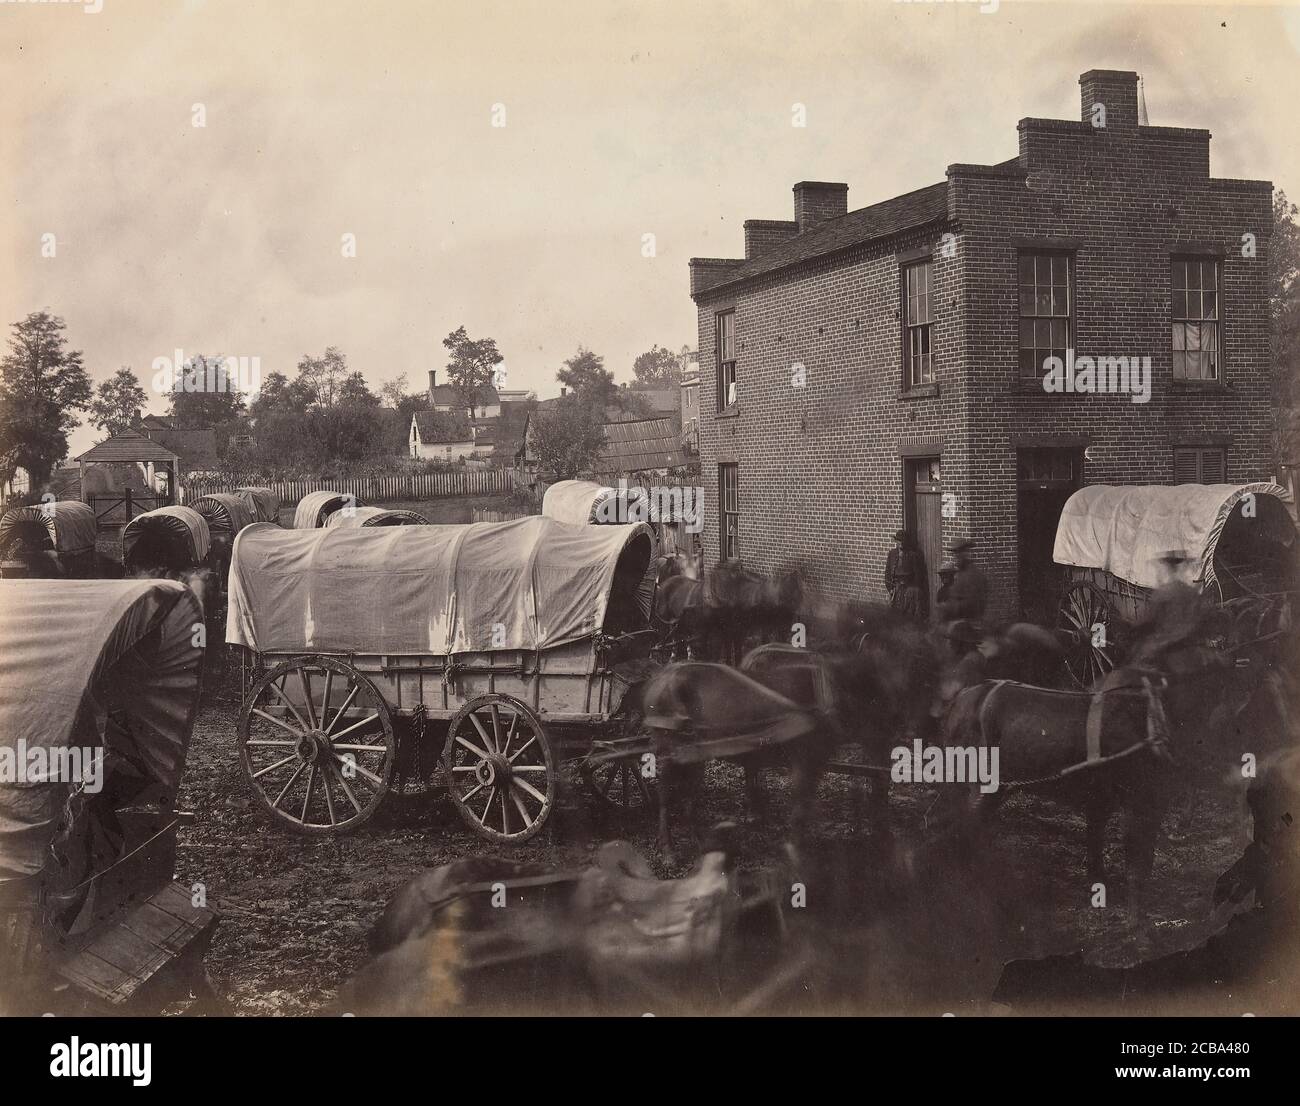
x=619 y=785
x=500 y=768
x=1083 y=607
x=316 y=741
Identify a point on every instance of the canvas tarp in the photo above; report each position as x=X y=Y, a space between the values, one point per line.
x=579 y=502
x=225 y=513
x=374 y=516
x=314 y=507
x=263 y=502
x=181 y=524
x=70 y=524
x=530 y=583
x=71 y=652
x=1127 y=529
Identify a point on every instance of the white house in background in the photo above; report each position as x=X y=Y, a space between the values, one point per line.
x=447 y=399
x=440 y=436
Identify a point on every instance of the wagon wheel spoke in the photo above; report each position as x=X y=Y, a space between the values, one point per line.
x=263 y=743
x=510 y=733
x=292 y=780
x=472 y=748
x=356 y=726
x=306 y=799
x=325 y=698
x=288 y=703
x=343 y=709
x=483 y=734
x=373 y=747
x=272 y=767
x=278 y=722
x=343 y=783
x=526 y=786
x=365 y=772
x=519 y=806
x=492 y=794
x=305 y=681
x=522 y=748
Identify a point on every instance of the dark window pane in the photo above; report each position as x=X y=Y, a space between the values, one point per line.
x=1025 y=266
x=1180 y=275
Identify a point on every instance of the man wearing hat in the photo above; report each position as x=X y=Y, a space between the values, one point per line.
x=903 y=575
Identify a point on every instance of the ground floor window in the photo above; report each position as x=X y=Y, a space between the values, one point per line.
x=729 y=497
x=1200 y=465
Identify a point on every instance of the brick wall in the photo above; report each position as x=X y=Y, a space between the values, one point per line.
x=821 y=467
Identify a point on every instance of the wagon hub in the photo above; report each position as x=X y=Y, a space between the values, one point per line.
x=492 y=769
x=313 y=747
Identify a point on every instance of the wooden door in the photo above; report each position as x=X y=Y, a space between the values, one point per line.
x=923 y=518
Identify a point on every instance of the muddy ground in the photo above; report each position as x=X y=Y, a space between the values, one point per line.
x=296 y=911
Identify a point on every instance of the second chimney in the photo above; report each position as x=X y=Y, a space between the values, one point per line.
x=1115 y=91
x=433 y=380
x=816 y=201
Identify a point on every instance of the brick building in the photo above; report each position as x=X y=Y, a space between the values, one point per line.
x=879 y=369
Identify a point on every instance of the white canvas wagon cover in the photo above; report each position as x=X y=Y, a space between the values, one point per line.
x=70 y=523
x=1126 y=529
x=315 y=507
x=579 y=502
x=530 y=583
x=71 y=652
x=182 y=523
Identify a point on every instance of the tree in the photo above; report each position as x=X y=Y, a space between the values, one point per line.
x=324 y=375
x=1284 y=318
x=354 y=392
x=118 y=402
x=472 y=368
x=567 y=437
x=587 y=379
x=42 y=384
x=201 y=407
x=659 y=367
x=394 y=392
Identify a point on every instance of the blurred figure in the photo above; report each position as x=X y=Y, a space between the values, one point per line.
x=968 y=596
x=903 y=575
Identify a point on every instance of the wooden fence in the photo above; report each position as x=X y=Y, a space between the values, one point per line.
x=377 y=489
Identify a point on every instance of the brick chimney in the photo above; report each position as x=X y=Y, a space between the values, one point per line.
x=816 y=201
x=433 y=381
x=762 y=235
x=1117 y=91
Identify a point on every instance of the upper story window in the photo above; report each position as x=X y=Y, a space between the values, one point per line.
x=918 y=316
x=1197 y=352
x=726 y=345
x=1046 y=282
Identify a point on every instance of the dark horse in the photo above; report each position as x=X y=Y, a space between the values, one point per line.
x=872 y=684
x=1109 y=751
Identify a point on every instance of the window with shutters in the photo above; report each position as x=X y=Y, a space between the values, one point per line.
x=1200 y=465
x=1196 y=313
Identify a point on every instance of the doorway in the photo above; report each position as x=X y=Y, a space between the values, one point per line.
x=1046 y=478
x=923 y=519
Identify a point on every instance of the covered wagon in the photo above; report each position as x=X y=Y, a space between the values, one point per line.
x=373 y=516
x=226 y=515
x=48 y=540
x=315 y=508
x=262 y=501
x=99 y=684
x=169 y=539
x=1119 y=543
x=500 y=630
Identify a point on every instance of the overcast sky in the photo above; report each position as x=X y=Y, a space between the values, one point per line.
x=622 y=119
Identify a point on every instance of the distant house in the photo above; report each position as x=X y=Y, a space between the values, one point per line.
x=195 y=446
x=690 y=408
x=440 y=436
x=448 y=399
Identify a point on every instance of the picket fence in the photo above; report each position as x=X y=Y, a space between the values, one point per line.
x=377 y=489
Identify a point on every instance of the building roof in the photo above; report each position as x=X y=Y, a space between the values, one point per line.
x=130 y=445
x=442 y=428
x=639 y=445
x=196 y=446
x=913 y=209
x=448 y=395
